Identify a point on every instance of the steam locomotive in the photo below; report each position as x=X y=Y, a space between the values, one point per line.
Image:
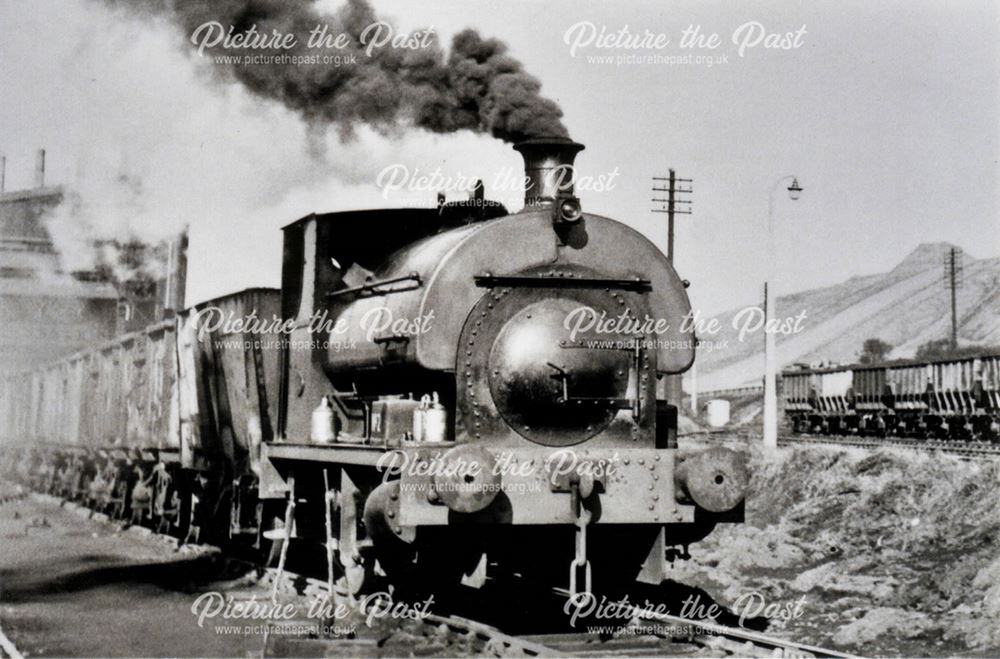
x=412 y=402
x=954 y=398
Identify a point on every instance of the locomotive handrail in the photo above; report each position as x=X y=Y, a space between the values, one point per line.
x=373 y=287
x=534 y=281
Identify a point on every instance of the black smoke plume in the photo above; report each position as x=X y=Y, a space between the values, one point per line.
x=475 y=85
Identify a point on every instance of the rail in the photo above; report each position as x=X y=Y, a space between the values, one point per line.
x=976 y=450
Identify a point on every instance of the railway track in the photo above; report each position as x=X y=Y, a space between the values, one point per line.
x=717 y=637
x=972 y=450
x=742 y=642
x=639 y=637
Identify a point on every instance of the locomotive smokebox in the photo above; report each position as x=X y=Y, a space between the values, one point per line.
x=548 y=168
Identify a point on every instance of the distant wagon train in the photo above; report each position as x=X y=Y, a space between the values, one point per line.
x=412 y=397
x=956 y=398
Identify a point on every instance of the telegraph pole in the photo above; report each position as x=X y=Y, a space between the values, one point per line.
x=952 y=275
x=674 y=204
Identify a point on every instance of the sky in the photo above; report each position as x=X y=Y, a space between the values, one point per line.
x=886 y=112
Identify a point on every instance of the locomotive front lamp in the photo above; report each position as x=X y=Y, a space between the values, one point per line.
x=794 y=190
x=570 y=210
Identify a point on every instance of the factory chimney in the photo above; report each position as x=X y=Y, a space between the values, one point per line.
x=176 y=276
x=40 y=169
x=3 y=174
x=548 y=169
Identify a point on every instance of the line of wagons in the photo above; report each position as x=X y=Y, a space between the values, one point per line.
x=157 y=426
x=954 y=399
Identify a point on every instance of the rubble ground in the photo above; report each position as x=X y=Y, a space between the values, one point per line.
x=886 y=552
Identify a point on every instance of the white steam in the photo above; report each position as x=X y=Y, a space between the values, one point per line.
x=148 y=142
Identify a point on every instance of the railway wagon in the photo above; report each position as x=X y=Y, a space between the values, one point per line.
x=953 y=396
x=799 y=391
x=818 y=400
x=229 y=356
x=939 y=399
x=18 y=407
x=871 y=406
x=983 y=406
x=990 y=380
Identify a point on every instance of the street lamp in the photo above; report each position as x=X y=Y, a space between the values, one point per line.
x=770 y=299
x=794 y=190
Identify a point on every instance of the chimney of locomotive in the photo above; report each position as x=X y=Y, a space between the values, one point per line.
x=548 y=169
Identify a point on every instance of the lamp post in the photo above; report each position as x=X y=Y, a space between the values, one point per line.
x=770 y=300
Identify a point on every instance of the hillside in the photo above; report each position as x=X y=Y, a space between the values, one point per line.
x=905 y=307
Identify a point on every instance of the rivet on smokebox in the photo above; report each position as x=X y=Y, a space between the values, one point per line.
x=626 y=460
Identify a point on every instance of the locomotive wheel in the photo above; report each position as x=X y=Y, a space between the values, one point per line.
x=416 y=566
x=392 y=545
